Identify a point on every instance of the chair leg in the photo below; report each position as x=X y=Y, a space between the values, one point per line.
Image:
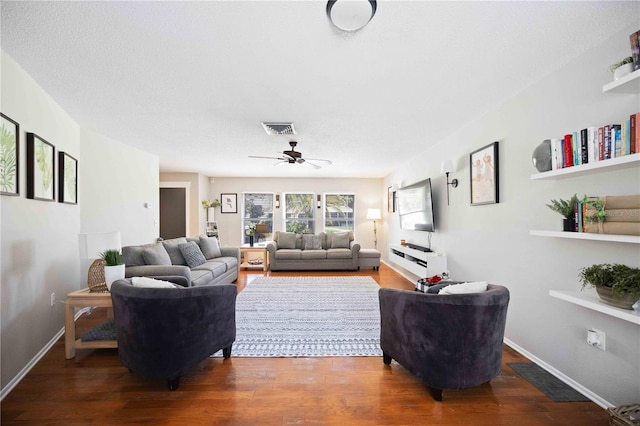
x=173 y=383
x=226 y=352
x=436 y=393
x=386 y=358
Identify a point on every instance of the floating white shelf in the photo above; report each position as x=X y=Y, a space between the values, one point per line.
x=629 y=84
x=618 y=163
x=633 y=239
x=420 y=263
x=590 y=300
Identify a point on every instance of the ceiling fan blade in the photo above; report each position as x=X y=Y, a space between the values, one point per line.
x=308 y=164
x=320 y=160
x=282 y=162
x=266 y=158
x=288 y=157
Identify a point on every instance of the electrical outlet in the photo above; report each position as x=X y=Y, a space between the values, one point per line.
x=53 y=298
x=597 y=338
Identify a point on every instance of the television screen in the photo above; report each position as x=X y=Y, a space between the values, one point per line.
x=415 y=206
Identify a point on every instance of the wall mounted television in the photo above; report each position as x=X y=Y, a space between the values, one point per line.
x=415 y=206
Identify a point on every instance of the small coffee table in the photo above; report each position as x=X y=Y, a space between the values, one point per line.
x=245 y=249
x=82 y=299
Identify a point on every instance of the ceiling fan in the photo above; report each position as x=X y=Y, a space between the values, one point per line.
x=294 y=157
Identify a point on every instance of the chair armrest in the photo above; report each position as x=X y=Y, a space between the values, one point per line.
x=272 y=247
x=355 y=248
x=230 y=251
x=158 y=271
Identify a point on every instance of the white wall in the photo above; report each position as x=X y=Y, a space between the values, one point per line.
x=492 y=242
x=39 y=240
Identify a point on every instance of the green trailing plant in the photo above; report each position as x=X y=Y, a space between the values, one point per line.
x=600 y=215
x=621 y=279
x=209 y=203
x=567 y=208
x=112 y=257
x=627 y=60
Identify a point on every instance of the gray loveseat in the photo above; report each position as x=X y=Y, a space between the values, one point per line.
x=200 y=260
x=323 y=251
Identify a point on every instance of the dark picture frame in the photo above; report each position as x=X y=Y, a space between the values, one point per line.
x=483 y=166
x=229 y=203
x=41 y=179
x=67 y=178
x=391 y=200
x=9 y=156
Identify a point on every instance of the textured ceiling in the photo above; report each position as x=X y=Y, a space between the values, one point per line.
x=191 y=81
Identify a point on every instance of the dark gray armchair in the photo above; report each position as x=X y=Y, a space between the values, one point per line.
x=164 y=332
x=447 y=341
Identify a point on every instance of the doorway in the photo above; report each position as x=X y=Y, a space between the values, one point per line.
x=174 y=209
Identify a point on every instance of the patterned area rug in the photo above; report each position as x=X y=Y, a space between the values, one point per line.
x=308 y=317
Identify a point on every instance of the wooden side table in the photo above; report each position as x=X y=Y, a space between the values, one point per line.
x=246 y=249
x=82 y=299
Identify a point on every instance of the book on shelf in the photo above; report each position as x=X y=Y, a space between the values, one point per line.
x=621 y=215
x=634 y=132
x=634 y=41
x=567 y=151
x=618 y=228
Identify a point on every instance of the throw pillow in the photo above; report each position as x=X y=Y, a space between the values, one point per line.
x=287 y=240
x=464 y=288
x=192 y=254
x=151 y=283
x=171 y=246
x=312 y=242
x=210 y=247
x=340 y=240
x=156 y=255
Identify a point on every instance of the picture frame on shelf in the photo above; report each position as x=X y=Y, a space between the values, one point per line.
x=67 y=178
x=229 y=203
x=41 y=179
x=483 y=166
x=9 y=156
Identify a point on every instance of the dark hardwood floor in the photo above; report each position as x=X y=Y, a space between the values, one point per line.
x=94 y=389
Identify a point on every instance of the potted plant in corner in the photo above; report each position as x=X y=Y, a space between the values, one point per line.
x=567 y=208
x=114 y=268
x=616 y=284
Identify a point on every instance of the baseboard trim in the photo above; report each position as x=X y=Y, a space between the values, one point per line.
x=400 y=271
x=21 y=375
x=558 y=374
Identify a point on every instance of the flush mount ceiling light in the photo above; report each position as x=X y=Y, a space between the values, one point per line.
x=278 y=128
x=351 y=15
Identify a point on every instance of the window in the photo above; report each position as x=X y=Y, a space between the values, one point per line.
x=257 y=209
x=339 y=212
x=299 y=210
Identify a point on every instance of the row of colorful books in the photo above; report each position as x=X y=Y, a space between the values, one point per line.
x=618 y=214
x=596 y=144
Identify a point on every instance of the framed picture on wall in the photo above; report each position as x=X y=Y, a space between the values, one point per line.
x=67 y=178
x=229 y=203
x=391 y=200
x=483 y=165
x=40 y=168
x=9 y=156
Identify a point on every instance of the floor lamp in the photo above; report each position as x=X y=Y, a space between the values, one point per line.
x=374 y=214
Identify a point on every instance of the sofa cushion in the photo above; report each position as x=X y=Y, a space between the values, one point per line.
x=313 y=254
x=288 y=254
x=172 y=247
x=312 y=242
x=200 y=277
x=339 y=253
x=132 y=255
x=210 y=247
x=192 y=254
x=340 y=240
x=216 y=268
x=229 y=262
x=287 y=240
x=155 y=254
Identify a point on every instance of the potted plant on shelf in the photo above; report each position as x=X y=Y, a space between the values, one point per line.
x=622 y=68
x=209 y=206
x=114 y=268
x=567 y=208
x=616 y=284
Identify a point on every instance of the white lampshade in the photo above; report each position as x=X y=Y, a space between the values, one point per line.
x=373 y=214
x=446 y=167
x=91 y=245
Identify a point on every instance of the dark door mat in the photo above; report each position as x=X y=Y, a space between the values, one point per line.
x=550 y=385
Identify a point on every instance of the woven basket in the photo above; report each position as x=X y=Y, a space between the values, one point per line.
x=96 y=279
x=624 y=415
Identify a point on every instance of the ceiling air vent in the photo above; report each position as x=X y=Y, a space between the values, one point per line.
x=278 y=128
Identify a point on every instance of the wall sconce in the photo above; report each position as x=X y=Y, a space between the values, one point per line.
x=277 y=201
x=319 y=201
x=446 y=168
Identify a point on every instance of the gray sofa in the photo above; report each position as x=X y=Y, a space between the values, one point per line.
x=200 y=260
x=296 y=252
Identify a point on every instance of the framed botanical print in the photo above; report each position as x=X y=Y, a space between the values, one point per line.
x=40 y=168
x=229 y=203
x=67 y=179
x=483 y=165
x=9 y=156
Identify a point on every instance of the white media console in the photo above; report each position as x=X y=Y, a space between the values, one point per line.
x=420 y=263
